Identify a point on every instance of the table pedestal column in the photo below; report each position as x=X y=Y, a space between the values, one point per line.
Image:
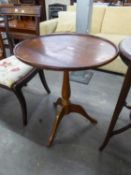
x=67 y=107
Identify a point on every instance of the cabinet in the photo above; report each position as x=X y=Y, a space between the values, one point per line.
x=36 y=2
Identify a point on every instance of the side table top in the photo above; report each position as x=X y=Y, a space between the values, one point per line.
x=66 y=51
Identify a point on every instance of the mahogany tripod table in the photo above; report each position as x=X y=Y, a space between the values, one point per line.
x=66 y=52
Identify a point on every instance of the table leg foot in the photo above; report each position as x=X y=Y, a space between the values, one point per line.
x=105 y=143
x=79 y=109
x=56 y=123
x=58 y=102
x=66 y=110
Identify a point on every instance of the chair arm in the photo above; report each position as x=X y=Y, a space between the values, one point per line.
x=48 y=27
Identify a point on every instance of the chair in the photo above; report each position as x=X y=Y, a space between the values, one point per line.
x=125 y=53
x=14 y=75
x=22 y=22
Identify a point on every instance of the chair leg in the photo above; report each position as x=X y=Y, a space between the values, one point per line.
x=21 y=99
x=43 y=80
x=120 y=103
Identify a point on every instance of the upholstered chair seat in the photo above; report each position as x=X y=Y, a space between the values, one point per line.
x=11 y=70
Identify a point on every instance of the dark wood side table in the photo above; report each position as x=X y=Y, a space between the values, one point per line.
x=125 y=53
x=66 y=52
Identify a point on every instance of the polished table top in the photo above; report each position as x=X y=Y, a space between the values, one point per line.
x=66 y=51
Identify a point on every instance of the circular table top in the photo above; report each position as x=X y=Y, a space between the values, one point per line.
x=66 y=51
x=125 y=50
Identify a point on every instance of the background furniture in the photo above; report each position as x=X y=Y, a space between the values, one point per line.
x=35 y=2
x=75 y=52
x=43 y=5
x=14 y=75
x=2 y=48
x=31 y=2
x=113 y=23
x=24 y=23
x=43 y=12
x=125 y=53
